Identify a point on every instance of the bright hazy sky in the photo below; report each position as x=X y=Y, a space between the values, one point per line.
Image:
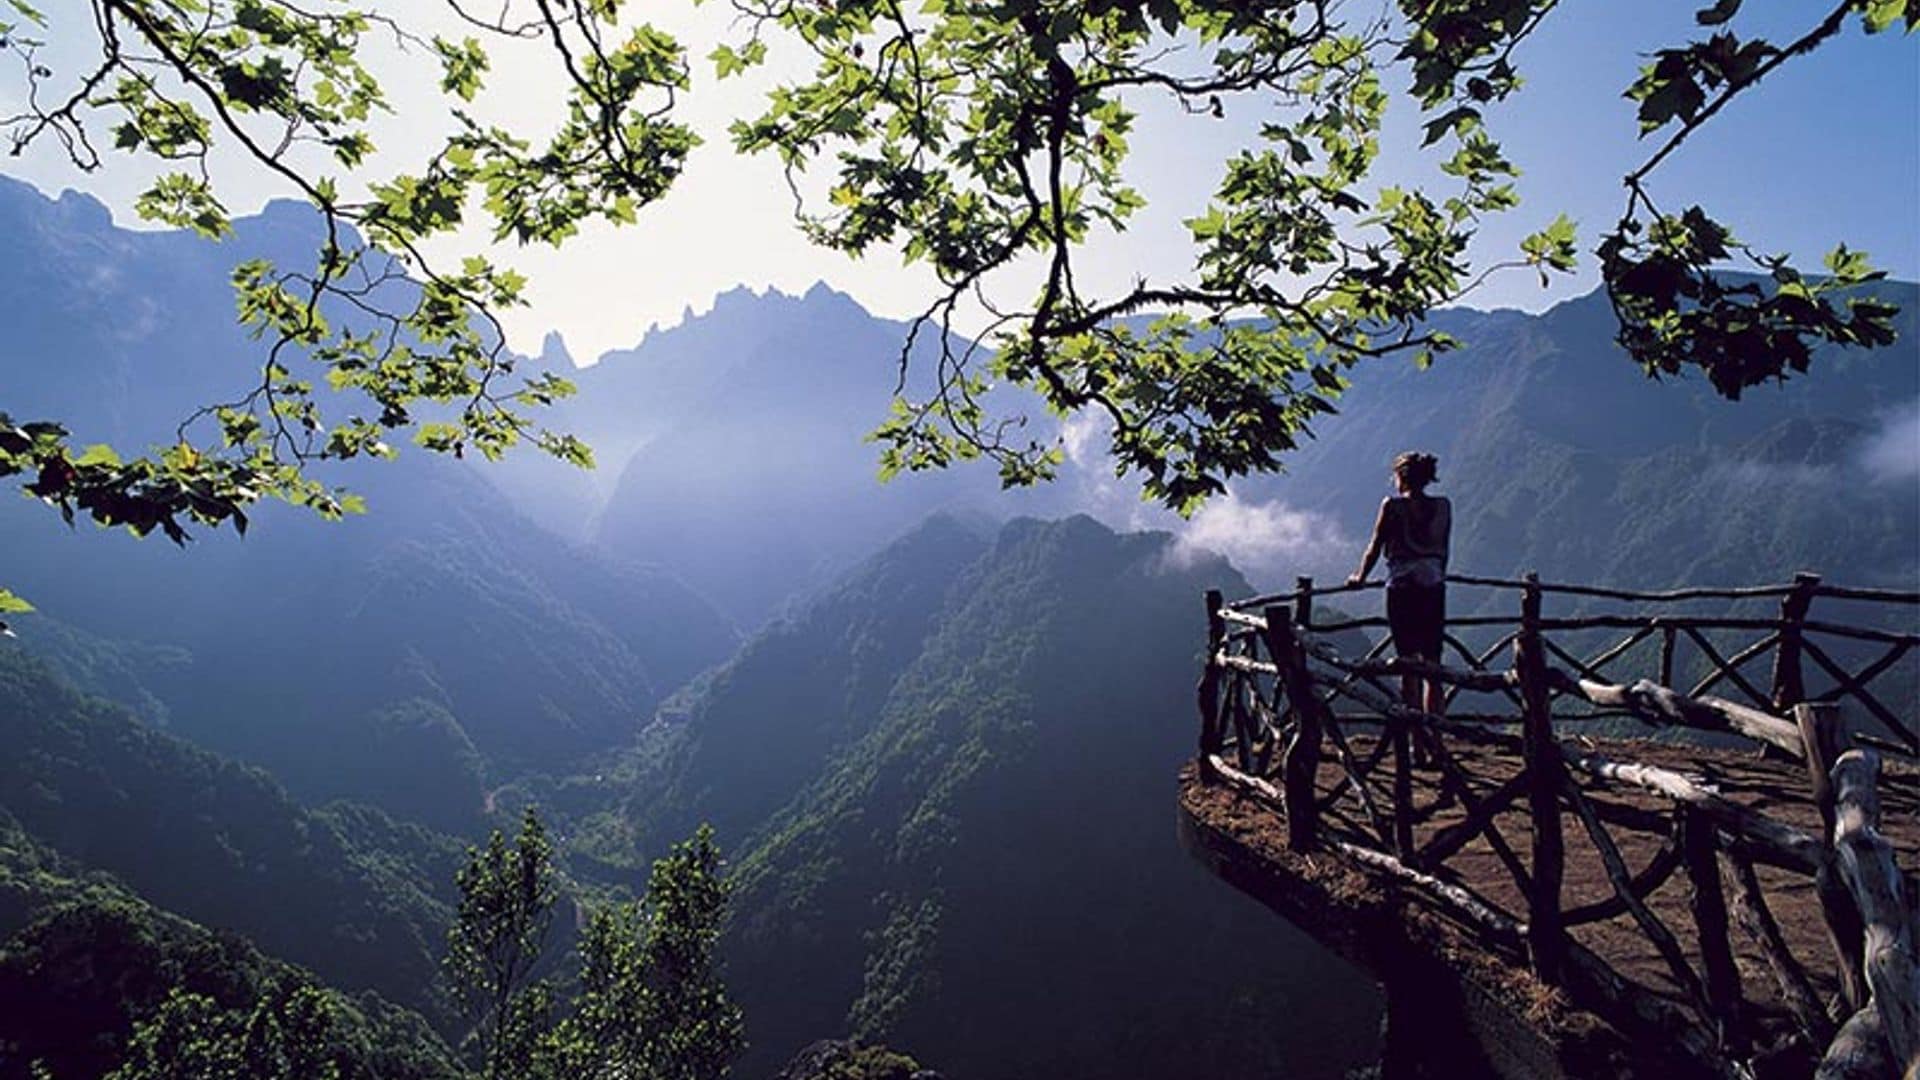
x=1826 y=150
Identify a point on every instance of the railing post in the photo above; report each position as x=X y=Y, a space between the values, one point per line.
x=1400 y=731
x=1302 y=763
x=1825 y=740
x=1699 y=849
x=1546 y=936
x=1788 y=688
x=1211 y=736
x=1303 y=609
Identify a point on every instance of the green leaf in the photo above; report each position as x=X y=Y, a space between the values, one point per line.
x=98 y=454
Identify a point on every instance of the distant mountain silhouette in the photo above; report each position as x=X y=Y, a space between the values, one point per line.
x=1562 y=457
x=443 y=630
x=749 y=481
x=756 y=486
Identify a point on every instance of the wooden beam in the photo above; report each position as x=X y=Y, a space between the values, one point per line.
x=1734 y=661
x=1401 y=733
x=1788 y=687
x=1302 y=765
x=1866 y=863
x=1452 y=775
x=1720 y=663
x=1546 y=938
x=1208 y=692
x=1859 y=1052
x=1650 y=924
x=1699 y=849
x=1782 y=844
x=1822 y=741
x=1479 y=819
x=1651 y=876
x=1664 y=705
x=1749 y=906
x=1865 y=697
x=1628 y=594
x=1355 y=776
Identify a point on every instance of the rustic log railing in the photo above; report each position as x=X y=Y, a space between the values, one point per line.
x=1283 y=709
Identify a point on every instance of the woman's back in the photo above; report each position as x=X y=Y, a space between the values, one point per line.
x=1415 y=540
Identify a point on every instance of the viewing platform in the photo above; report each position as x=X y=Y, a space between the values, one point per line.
x=1576 y=872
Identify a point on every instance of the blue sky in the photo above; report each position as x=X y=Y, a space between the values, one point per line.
x=1826 y=150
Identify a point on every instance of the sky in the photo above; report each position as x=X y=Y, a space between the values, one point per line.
x=1826 y=150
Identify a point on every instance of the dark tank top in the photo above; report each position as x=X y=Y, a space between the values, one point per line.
x=1415 y=539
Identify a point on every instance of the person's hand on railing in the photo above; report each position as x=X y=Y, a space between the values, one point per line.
x=1358 y=577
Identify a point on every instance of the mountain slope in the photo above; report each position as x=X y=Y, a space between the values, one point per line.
x=982 y=866
x=1562 y=457
x=442 y=627
x=82 y=960
x=214 y=841
x=760 y=488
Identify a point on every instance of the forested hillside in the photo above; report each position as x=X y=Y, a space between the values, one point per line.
x=84 y=962
x=361 y=901
x=945 y=778
x=400 y=657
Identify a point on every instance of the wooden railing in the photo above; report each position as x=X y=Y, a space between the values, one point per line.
x=1283 y=710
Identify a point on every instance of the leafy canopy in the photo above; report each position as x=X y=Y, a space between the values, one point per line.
x=649 y=1004
x=412 y=343
x=987 y=139
x=992 y=139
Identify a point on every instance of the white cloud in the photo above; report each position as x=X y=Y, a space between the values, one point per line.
x=1264 y=540
x=1892 y=453
x=1077 y=433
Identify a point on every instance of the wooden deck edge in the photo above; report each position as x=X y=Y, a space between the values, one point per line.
x=1439 y=984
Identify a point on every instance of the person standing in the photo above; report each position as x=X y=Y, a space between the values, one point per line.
x=1414 y=530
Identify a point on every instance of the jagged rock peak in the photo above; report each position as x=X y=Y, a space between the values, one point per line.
x=554 y=354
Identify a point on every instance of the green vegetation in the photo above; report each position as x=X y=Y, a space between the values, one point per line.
x=94 y=979
x=946 y=781
x=979 y=140
x=990 y=140
x=199 y=835
x=852 y=1061
x=411 y=338
x=649 y=1003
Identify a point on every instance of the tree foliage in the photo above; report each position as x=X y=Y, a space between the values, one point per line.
x=993 y=139
x=988 y=140
x=507 y=894
x=649 y=1005
x=412 y=343
x=285 y=1036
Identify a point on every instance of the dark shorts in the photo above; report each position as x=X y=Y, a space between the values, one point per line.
x=1416 y=614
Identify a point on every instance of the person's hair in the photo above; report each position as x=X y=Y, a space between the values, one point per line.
x=1417 y=469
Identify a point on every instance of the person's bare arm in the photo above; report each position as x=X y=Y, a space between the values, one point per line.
x=1373 y=547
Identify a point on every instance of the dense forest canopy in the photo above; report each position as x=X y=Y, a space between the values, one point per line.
x=985 y=140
